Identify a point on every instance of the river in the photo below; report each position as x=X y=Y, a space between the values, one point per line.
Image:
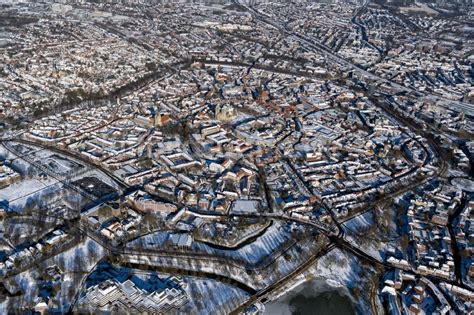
x=314 y=297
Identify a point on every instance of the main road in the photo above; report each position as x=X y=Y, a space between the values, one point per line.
x=330 y=55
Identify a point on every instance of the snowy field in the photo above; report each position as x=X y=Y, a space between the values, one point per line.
x=221 y=298
x=26 y=190
x=21 y=189
x=357 y=232
x=268 y=243
x=32 y=187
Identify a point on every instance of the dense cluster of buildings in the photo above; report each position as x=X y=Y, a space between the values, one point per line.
x=406 y=293
x=437 y=247
x=392 y=44
x=44 y=69
x=235 y=132
x=428 y=218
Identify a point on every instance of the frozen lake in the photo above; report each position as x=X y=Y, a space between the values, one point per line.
x=313 y=297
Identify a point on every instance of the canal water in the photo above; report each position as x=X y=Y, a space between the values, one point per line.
x=314 y=297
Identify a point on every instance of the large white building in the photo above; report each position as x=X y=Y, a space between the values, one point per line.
x=127 y=297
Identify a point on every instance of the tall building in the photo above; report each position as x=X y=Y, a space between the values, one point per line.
x=225 y=112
